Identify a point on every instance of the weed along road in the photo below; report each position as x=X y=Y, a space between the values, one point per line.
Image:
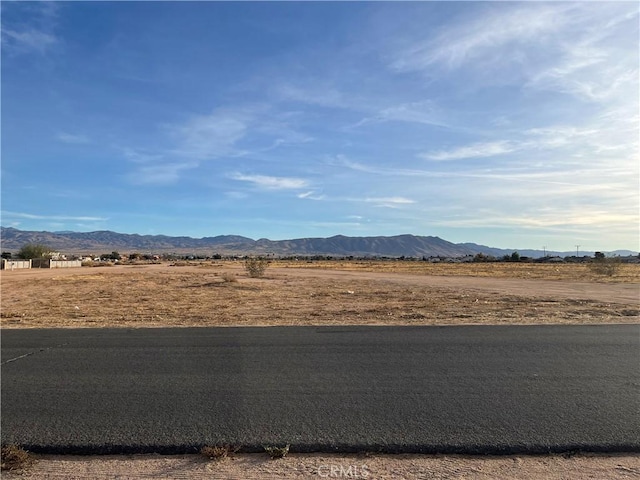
x=471 y=389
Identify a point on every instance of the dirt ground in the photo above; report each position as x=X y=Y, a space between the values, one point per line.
x=219 y=294
x=301 y=293
x=317 y=466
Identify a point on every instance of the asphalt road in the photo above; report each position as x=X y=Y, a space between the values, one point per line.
x=466 y=389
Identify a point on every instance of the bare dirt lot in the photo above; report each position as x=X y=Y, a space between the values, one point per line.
x=366 y=293
x=323 y=293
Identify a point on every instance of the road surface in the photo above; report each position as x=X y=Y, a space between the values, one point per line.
x=454 y=389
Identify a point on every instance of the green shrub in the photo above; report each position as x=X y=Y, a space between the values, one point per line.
x=256 y=266
x=34 y=250
x=277 y=452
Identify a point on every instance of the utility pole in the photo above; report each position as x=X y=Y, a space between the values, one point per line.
x=577 y=248
x=544 y=249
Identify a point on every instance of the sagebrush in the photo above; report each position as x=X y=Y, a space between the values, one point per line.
x=256 y=266
x=606 y=266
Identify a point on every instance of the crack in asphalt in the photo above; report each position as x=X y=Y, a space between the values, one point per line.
x=32 y=353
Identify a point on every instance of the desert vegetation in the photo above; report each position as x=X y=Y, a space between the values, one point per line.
x=218 y=452
x=34 y=250
x=277 y=452
x=609 y=267
x=256 y=266
x=15 y=459
x=356 y=293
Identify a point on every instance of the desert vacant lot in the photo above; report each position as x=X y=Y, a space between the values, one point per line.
x=323 y=293
x=318 y=293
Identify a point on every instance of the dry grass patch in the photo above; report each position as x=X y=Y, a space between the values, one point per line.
x=162 y=296
x=15 y=459
x=626 y=273
x=218 y=452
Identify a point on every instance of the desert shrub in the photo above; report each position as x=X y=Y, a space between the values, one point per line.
x=179 y=263
x=605 y=266
x=277 y=452
x=228 y=277
x=91 y=263
x=481 y=257
x=14 y=458
x=218 y=452
x=256 y=266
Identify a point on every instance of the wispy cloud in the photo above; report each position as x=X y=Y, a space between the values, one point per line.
x=587 y=53
x=27 y=41
x=35 y=35
x=479 y=38
x=599 y=135
x=593 y=61
x=140 y=156
x=386 y=202
x=555 y=220
x=271 y=183
x=163 y=174
x=206 y=137
x=229 y=132
x=71 y=138
x=394 y=200
x=477 y=150
x=318 y=94
x=30 y=216
x=423 y=112
x=311 y=195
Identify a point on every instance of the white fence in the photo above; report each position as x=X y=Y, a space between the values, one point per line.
x=39 y=263
x=15 y=264
x=65 y=263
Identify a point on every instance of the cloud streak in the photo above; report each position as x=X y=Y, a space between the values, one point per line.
x=271 y=183
x=477 y=150
x=584 y=54
x=34 y=33
x=26 y=41
x=30 y=216
x=163 y=174
x=206 y=137
x=71 y=138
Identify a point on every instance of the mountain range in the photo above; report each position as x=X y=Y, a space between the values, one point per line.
x=98 y=242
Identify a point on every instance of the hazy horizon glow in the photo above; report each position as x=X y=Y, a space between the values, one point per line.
x=508 y=124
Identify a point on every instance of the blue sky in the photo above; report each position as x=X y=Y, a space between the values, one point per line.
x=513 y=125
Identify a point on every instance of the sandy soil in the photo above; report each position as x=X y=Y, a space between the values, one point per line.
x=316 y=466
x=297 y=293
x=218 y=294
